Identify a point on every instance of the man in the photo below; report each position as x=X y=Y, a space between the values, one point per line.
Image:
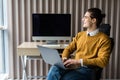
x=92 y=51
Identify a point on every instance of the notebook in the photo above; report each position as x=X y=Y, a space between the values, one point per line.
x=51 y=56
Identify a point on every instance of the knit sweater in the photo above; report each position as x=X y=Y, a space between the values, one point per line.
x=94 y=50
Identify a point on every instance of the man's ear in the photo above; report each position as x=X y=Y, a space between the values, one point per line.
x=94 y=20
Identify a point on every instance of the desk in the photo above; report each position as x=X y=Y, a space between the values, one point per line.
x=30 y=49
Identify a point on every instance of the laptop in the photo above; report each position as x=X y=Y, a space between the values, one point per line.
x=51 y=56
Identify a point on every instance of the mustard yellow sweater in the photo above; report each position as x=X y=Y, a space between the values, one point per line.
x=94 y=50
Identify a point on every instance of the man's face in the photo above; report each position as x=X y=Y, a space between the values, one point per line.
x=87 y=21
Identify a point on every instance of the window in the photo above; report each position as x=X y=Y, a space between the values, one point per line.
x=2 y=36
x=1 y=52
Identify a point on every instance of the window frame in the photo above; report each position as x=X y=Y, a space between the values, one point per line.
x=3 y=37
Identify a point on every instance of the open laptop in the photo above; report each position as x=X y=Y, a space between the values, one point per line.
x=51 y=56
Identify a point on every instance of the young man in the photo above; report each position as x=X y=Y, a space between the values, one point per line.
x=92 y=51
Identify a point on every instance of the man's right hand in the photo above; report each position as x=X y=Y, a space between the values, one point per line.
x=64 y=59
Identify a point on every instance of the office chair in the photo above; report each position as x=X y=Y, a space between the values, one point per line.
x=105 y=28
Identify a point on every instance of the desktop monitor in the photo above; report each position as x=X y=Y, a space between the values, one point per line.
x=51 y=26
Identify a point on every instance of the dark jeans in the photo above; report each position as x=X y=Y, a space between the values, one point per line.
x=81 y=73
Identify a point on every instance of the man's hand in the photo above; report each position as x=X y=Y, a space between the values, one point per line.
x=72 y=63
x=64 y=59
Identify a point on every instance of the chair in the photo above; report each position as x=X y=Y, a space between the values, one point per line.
x=105 y=28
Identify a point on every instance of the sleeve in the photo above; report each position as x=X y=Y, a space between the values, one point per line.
x=71 y=48
x=103 y=55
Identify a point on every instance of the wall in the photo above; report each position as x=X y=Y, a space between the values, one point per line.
x=20 y=24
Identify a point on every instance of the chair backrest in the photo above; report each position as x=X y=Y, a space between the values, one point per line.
x=105 y=28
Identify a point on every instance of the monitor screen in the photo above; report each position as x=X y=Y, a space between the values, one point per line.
x=51 y=25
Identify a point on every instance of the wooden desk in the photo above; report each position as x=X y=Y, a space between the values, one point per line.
x=30 y=49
